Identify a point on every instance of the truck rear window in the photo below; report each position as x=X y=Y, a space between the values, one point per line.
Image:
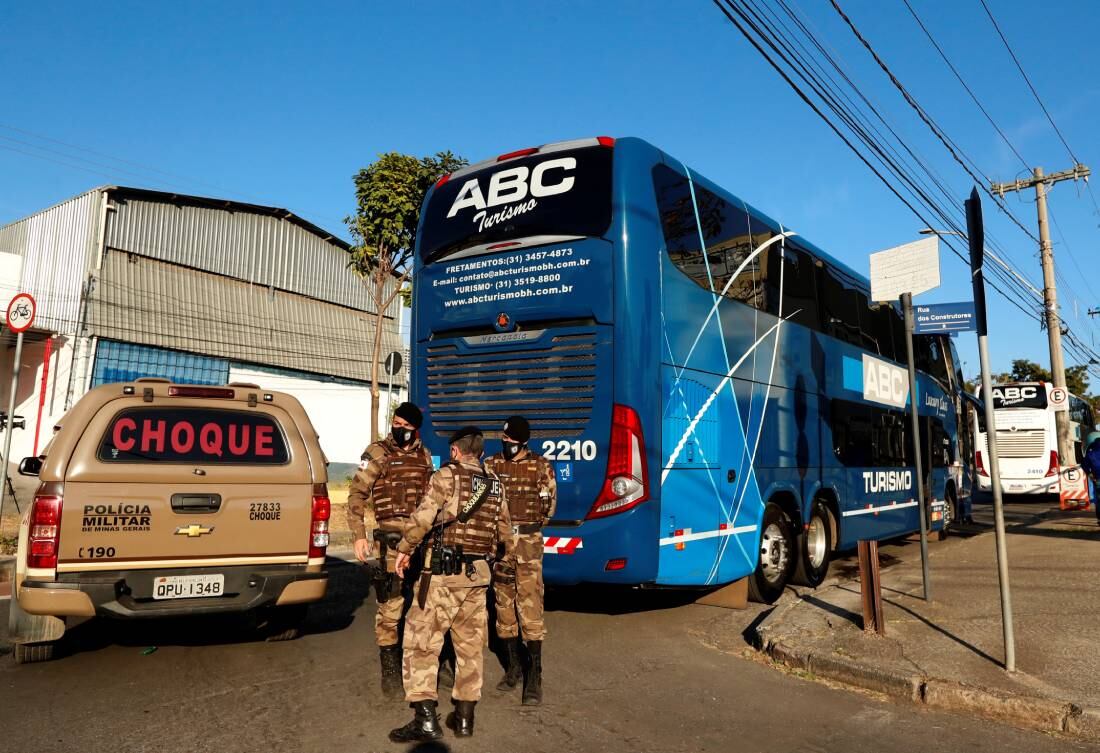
x=193 y=435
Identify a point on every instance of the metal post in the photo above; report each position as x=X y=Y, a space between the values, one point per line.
x=870 y=587
x=907 y=308
x=11 y=415
x=1054 y=322
x=976 y=237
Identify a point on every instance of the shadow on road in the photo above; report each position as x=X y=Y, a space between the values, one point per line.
x=615 y=600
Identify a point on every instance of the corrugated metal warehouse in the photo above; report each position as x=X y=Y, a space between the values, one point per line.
x=132 y=282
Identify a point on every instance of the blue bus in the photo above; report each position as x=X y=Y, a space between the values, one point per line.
x=718 y=396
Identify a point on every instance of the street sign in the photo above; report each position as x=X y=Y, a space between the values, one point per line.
x=21 y=312
x=935 y=318
x=912 y=268
x=393 y=363
x=1059 y=399
x=1073 y=492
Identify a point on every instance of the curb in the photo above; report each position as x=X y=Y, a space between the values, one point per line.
x=1023 y=711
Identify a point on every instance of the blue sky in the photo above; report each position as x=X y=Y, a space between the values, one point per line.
x=281 y=103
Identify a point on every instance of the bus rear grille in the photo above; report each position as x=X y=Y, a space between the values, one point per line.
x=1021 y=444
x=552 y=385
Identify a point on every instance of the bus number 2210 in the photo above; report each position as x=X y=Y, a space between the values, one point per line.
x=562 y=450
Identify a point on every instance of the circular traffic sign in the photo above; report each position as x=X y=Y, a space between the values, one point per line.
x=393 y=363
x=1058 y=396
x=21 y=312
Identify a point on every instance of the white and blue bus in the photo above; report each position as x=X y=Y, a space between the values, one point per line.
x=719 y=397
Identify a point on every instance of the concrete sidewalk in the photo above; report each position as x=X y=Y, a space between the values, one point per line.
x=949 y=653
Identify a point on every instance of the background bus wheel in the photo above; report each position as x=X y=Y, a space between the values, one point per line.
x=950 y=513
x=815 y=548
x=777 y=556
x=29 y=653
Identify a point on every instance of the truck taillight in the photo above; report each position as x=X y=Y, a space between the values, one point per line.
x=45 y=532
x=318 y=529
x=626 y=484
x=1052 y=470
x=980 y=465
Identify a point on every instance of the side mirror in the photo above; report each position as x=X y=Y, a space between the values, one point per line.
x=31 y=466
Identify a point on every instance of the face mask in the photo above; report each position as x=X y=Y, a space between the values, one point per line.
x=403 y=437
x=511 y=449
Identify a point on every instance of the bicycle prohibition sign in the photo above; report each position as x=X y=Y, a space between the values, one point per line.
x=21 y=312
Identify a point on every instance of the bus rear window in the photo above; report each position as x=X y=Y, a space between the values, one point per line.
x=556 y=193
x=1019 y=396
x=193 y=435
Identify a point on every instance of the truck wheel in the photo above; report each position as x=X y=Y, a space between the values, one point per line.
x=815 y=548
x=778 y=553
x=30 y=653
x=283 y=623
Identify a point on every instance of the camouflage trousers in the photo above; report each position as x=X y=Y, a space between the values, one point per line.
x=522 y=596
x=387 y=620
x=460 y=611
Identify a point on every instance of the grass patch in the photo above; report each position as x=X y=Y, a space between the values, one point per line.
x=8 y=544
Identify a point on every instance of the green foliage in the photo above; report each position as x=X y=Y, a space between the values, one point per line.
x=1023 y=370
x=388 y=195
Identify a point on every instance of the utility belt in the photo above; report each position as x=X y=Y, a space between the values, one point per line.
x=526 y=528
x=451 y=560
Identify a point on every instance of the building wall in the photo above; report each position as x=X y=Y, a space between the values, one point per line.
x=258 y=249
x=339 y=410
x=56 y=246
x=141 y=300
x=30 y=392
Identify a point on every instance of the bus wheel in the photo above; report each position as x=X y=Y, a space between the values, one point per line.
x=778 y=554
x=950 y=512
x=815 y=547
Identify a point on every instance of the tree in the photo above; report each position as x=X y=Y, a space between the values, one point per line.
x=388 y=196
x=1023 y=370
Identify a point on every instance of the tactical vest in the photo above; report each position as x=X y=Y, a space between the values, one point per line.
x=521 y=485
x=403 y=481
x=478 y=535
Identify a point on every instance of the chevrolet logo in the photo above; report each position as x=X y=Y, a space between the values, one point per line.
x=193 y=531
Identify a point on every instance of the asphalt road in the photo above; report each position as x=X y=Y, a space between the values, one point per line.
x=626 y=671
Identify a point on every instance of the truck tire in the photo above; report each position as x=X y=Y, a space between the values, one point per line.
x=283 y=623
x=815 y=547
x=778 y=554
x=30 y=653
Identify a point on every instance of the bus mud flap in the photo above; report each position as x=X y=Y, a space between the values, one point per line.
x=32 y=628
x=732 y=596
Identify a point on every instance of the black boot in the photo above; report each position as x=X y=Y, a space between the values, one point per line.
x=532 y=683
x=392 y=687
x=461 y=720
x=514 y=671
x=423 y=727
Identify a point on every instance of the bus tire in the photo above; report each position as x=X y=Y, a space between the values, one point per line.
x=778 y=553
x=950 y=512
x=815 y=547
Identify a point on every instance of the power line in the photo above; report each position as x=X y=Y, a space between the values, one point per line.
x=1020 y=68
x=965 y=86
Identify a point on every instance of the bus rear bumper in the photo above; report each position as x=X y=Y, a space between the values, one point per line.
x=618 y=549
x=1046 y=485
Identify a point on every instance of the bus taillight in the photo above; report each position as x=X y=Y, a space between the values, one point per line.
x=626 y=484
x=1053 y=469
x=980 y=465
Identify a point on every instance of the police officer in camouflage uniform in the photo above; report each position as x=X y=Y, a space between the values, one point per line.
x=531 y=490
x=385 y=490
x=464 y=517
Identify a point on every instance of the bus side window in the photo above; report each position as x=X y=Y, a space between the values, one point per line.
x=839 y=309
x=882 y=330
x=799 y=287
x=678 y=224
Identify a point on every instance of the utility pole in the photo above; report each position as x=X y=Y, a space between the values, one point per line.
x=1039 y=182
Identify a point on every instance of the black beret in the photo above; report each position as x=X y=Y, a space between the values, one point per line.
x=465 y=431
x=517 y=428
x=410 y=413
